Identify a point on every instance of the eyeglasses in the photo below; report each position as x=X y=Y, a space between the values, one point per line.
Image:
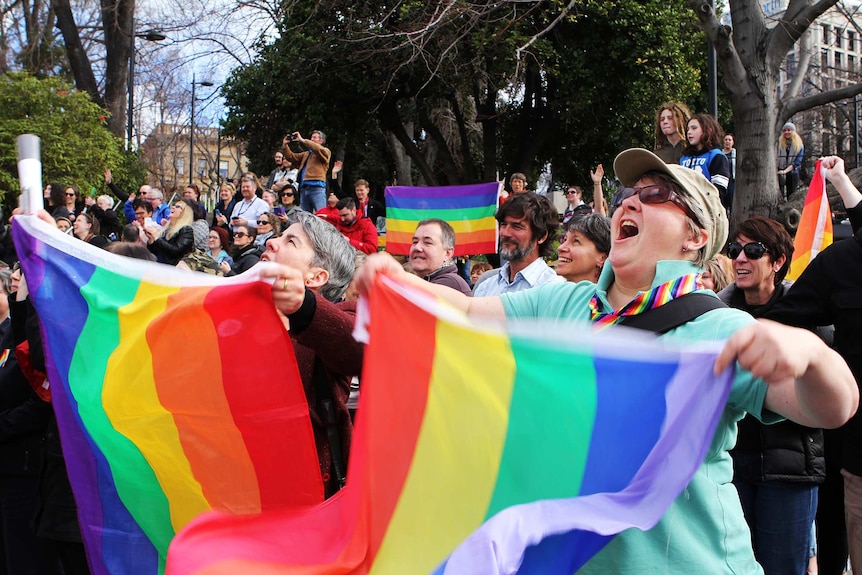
x=571 y=192
x=68 y=195
x=177 y=207
x=263 y=222
x=753 y=250
x=288 y=194
x=240 y=234
x=655 y=194
x=247 y=180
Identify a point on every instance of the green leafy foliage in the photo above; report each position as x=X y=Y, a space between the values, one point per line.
x=583 y=89
x=75 y=146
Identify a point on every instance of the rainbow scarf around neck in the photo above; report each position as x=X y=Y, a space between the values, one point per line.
x=480 y=450
x=644 y=301
x=175 y=393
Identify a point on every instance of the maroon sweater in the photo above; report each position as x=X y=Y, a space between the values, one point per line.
x=323 y=330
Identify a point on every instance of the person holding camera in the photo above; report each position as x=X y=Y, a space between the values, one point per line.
x=313 y=164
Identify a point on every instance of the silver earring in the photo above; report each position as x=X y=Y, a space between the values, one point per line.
x=684 y=249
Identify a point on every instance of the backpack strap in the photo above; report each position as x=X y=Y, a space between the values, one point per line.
x=674 y=313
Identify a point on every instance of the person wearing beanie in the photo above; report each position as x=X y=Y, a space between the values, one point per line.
x=668 y=222
x=790 y=154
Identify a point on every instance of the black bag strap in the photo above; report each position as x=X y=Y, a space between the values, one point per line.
x=674 y=313
x=327 y=414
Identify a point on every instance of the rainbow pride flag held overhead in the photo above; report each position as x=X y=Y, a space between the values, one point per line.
x=814 y=233
x=468 y=209
x=167 y=395
x=484 y=451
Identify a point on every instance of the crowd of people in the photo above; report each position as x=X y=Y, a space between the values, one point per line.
x=662 y=237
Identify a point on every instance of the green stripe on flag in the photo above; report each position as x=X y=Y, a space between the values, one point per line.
x=561 y=409
x=105 y=294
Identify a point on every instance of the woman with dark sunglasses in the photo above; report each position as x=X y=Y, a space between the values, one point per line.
x=669 y=222
x=776 y=468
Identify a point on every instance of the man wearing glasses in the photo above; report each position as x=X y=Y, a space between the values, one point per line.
x=245 y=213
x=280 y=171
x=576 y=205
x=161 y=211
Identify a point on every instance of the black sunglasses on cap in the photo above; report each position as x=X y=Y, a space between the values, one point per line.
x=655 y=194
x=753 y=250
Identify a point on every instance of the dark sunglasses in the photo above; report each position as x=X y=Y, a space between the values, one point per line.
x=239 y=234
x=263 y=222
x=753 y=251
x=290 y=194
x=655 y=194
x=72 y=195
x=571 y=192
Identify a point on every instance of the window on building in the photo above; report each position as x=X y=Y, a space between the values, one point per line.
x=181 y=165
x=202 y=166
x=851 y=41
x=223 y=168
x=791 y=65
x=851 y=63
x=827 y=34
x=839 y=60
x=838 y=38
x=824 y=59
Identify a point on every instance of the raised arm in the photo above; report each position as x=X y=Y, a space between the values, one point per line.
x=598 y=192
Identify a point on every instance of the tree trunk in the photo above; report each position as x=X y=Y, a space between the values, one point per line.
x=751 y=56
x=450 y=170
x=79 y=62
x=403 y=165
x=390 y=119
x=117 y=22
x=486 y=114
x=469 y=170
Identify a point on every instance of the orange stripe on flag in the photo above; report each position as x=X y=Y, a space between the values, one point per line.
x=815 y=227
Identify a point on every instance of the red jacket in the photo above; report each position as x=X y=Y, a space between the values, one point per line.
x=330 y=215
x=362 y=235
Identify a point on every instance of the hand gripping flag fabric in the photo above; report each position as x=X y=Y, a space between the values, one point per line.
x=814 y=233
x=468 y=209
x=484 y=450
x=175 y=393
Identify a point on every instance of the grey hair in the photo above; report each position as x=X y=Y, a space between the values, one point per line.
x=447 y=234
x=595 y=227
x=696 y=208
x=322 y=135
x=332 y=252
x=157 y=192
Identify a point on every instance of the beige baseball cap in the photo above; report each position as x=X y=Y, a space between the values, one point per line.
x=631 y=164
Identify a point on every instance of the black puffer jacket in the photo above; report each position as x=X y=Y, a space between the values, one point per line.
x=785 y=451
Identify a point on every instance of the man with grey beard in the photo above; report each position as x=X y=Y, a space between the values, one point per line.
x=529 y=224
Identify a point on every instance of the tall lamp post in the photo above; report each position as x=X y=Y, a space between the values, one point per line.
x=206 y=84
x=151 y=36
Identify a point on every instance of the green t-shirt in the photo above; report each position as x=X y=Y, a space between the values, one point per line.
x=704 y=530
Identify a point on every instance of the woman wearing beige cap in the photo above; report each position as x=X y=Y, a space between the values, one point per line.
x=668 y=222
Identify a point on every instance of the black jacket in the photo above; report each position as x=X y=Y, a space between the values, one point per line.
x=786 y=451
x=830 y=291
x=171 y=250
x=244 y=259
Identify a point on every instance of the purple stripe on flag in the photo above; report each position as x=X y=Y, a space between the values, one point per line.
x=488 y=191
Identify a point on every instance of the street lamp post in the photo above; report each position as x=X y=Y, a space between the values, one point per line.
x=192 y=130
x=151 y=36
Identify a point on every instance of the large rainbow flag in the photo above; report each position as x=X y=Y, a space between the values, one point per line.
x=468 y=209
x=814 y=233
x=175 y=393
x=480 y=450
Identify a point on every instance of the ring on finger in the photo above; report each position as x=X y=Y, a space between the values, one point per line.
x=284 y=284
